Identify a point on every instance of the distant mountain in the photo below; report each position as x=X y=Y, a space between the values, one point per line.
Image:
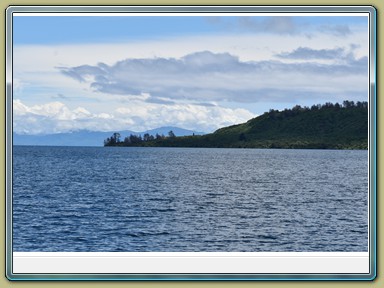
x=177 y=131
x=90 y=138
x=328 y=126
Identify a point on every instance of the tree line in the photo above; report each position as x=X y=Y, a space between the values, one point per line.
x=345 y=105
x=136 y=140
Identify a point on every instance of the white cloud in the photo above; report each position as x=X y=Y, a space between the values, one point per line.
x=19 y=108
x=189 y=116
x=55 y=117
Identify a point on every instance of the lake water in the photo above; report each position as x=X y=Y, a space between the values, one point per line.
x=110 y=199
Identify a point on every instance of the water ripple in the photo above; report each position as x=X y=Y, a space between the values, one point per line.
x=166 y=199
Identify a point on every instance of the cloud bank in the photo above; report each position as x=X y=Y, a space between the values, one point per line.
x=56 y=117
x=207 y=76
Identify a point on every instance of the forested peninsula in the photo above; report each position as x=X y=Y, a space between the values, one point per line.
x=327 y=126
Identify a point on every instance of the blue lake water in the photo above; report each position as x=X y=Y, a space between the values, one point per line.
x=188 y=200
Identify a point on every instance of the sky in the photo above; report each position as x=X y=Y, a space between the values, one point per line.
x=111 y=73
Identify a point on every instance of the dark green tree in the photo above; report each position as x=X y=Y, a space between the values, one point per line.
x=242 y=137
x=116 y=137
x=146 y=137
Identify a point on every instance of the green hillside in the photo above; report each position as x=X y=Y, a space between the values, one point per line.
x=328 y=126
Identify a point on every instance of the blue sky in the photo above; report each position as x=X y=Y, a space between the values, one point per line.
x=83 y=29
x=200 y=73
x=61 y=30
